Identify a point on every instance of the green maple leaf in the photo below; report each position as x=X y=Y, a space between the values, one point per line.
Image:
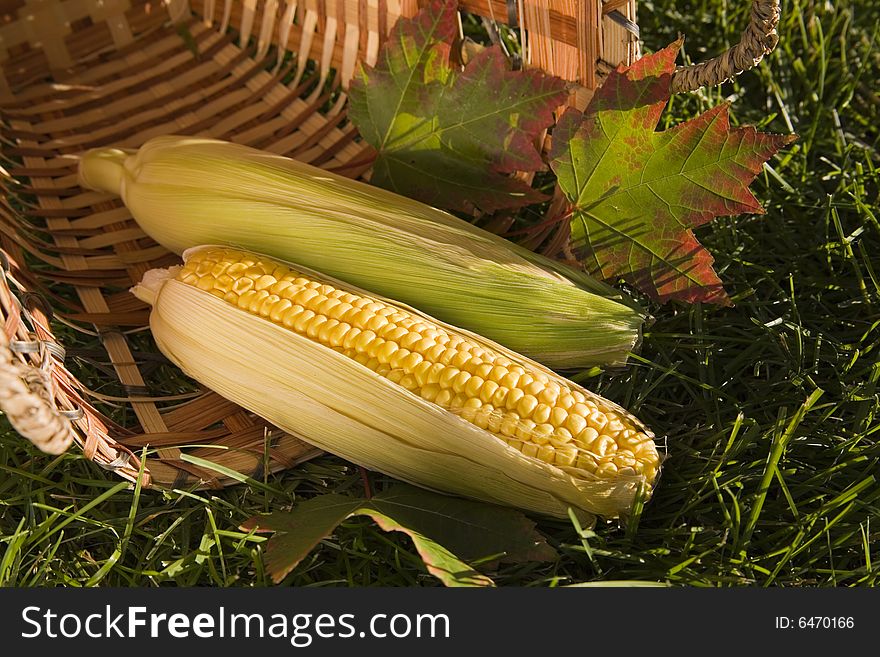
x=444 y=530
x=446 y=136
x=636 y=194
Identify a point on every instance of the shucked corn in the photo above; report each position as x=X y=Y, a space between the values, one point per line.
x=186 y=191
x=546 y=418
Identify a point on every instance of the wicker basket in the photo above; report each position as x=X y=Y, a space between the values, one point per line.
x=79 y=74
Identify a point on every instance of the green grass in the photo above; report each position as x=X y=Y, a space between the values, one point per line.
x=770 y=408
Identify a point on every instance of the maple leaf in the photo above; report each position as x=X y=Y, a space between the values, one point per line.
x=447 y=136
x=636 y=193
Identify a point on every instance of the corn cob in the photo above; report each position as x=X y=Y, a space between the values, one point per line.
x=395 y=390
x=187 y=191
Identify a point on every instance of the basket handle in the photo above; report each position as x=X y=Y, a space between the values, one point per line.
x=758 y=39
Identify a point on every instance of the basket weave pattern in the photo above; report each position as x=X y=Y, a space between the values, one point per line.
x=82 y=74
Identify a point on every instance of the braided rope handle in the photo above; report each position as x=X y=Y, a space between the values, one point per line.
x=26 y=400
x=758 y=39
x=26 y=387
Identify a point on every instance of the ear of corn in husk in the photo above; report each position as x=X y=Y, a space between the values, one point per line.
x=395 y=390
x=185 y=191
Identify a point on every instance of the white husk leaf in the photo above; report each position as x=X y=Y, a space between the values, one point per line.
x=338 y=405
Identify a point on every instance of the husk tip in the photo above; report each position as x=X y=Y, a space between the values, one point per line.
x=151 y=283
x=103 y=169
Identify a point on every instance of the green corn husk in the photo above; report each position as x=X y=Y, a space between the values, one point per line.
x=185 y=191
